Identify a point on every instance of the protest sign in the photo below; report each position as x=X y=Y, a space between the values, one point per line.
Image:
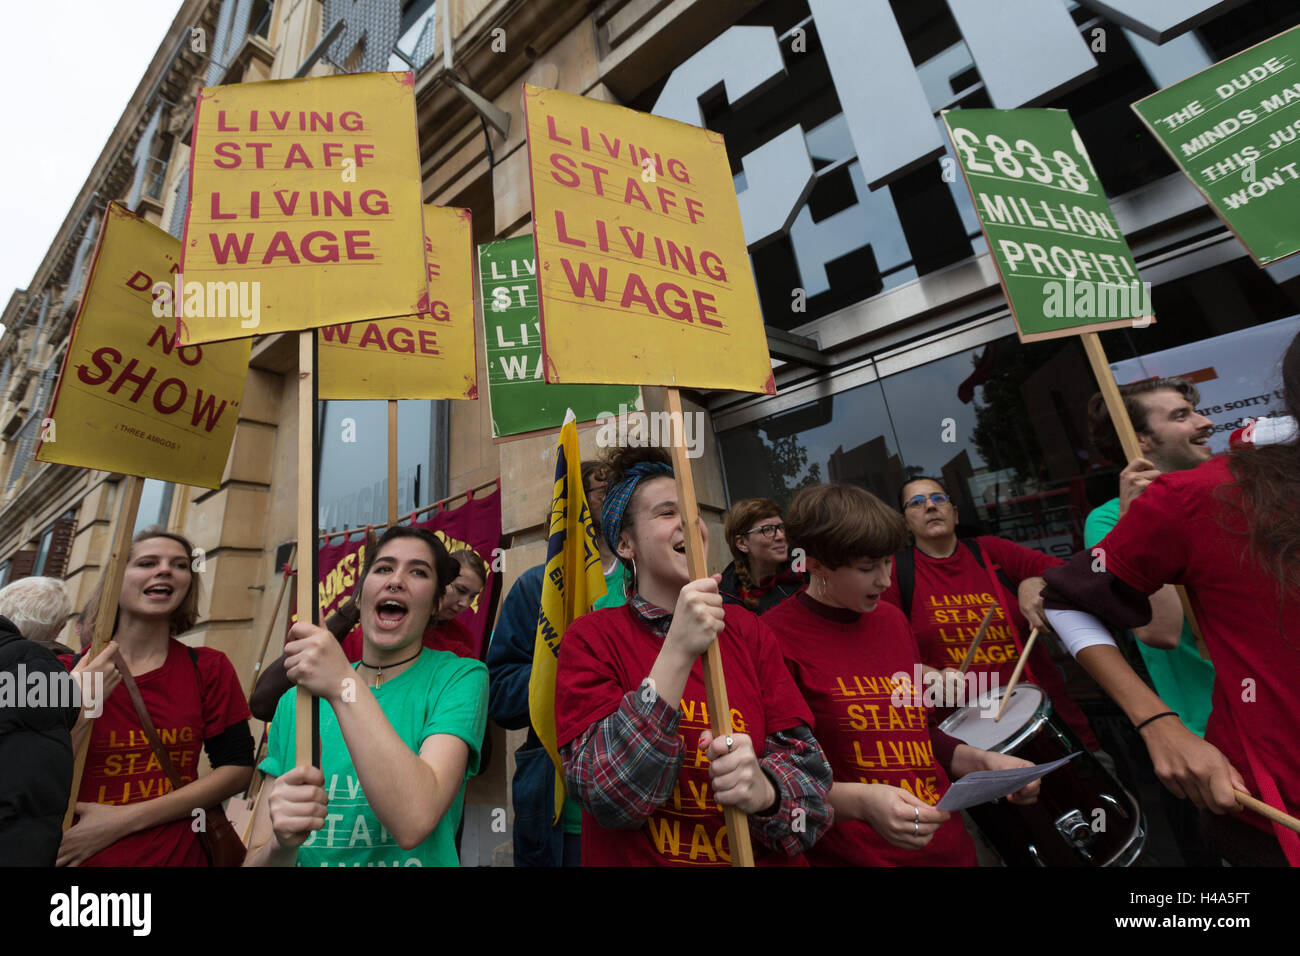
x=644 y=276
x=305 y=204
x=519 y=397
x=1230 y=130
x=1064 y=265
x=130 y=399
x=429 y=355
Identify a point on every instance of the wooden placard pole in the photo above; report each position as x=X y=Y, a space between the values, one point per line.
x=392 y=462
x=120 y=550
x=1129 y=442
x=715 y=687
x=305 y=737
x=270 y=625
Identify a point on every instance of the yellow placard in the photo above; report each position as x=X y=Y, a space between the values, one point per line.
x=306 y=194
x=131 y=398
x=426 y=356
x=643 y=273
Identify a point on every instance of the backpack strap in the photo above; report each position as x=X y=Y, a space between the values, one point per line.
x=905 y=564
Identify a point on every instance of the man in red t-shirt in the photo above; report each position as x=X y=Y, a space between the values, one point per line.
x=950 y=593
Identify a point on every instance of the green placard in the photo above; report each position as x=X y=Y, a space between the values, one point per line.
x=1231 y=128
x=521 y=401
x=1064 y=264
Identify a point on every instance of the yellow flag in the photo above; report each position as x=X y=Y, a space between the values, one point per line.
x=572 y=582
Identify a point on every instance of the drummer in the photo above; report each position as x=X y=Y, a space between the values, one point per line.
x=845 y=649
x=946 y=585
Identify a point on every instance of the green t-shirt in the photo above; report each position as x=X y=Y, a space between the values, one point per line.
x=1182 y=677
x=439 y=694
x=614 y=594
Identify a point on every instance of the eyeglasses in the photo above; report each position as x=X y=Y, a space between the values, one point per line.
x=595 y=488
x=938 y=497
x=767 y=530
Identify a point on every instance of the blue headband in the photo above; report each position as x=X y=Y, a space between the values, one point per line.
x=617 y=497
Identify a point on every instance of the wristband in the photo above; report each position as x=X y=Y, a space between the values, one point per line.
x=1167 y=713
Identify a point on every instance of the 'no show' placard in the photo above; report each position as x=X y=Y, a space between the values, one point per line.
x=643 y=273
x=131 y=399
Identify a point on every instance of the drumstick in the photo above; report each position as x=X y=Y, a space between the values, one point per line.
x=1015 y=674
x=979 y=636
x=1265 y=810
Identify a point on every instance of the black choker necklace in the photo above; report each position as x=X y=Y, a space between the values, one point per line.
x=379 y=668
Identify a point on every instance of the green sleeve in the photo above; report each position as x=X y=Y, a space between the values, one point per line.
x=1100 y=521
x=280 y=743
x=458 y=706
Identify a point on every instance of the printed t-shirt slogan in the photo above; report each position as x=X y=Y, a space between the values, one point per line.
x=429 y=355
x=643 y=273
x=130 y=399
x=306 y=195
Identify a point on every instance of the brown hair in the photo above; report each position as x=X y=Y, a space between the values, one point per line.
x=838 y=524
x=615 y=464
x=1101 y=430
x=736 y=523
x=1268 y=483
x=185 y=615
x=470 y=561
x=445 y=568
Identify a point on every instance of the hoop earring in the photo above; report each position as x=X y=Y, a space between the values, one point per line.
x=633 y=560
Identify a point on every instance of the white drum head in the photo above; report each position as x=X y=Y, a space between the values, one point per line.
x=976 y=726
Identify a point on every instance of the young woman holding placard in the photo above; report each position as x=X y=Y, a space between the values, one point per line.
x=128 y=811
x=400 y=731
x=630 y=704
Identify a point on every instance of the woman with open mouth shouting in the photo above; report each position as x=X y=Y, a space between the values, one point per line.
x=129 y=812
x=630 y=710
x=400 y=730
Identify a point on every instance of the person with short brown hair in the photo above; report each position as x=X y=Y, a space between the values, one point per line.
x=856 y=663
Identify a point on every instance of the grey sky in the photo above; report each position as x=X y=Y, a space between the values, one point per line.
x=67 y=75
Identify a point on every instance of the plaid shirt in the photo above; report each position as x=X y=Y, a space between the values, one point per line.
x=622 y=768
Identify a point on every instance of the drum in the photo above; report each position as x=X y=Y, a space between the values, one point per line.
x=1083 y=816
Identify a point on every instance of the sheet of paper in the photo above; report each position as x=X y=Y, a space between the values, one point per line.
x=984 y=786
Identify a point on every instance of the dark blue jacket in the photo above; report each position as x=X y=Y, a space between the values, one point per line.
x=537 y=841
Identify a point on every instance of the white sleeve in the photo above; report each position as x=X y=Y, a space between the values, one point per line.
x=1078 y=629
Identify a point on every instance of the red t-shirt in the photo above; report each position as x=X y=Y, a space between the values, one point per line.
x=448 y=636
x=843 y=663
x=1178 y=531
x=609 y=652
x=189 y=701
x=951 y=597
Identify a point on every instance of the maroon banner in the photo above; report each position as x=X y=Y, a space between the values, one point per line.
x=475 y=525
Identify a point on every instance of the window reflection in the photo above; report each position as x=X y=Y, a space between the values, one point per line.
x=354 y=461
x=1004 y=425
